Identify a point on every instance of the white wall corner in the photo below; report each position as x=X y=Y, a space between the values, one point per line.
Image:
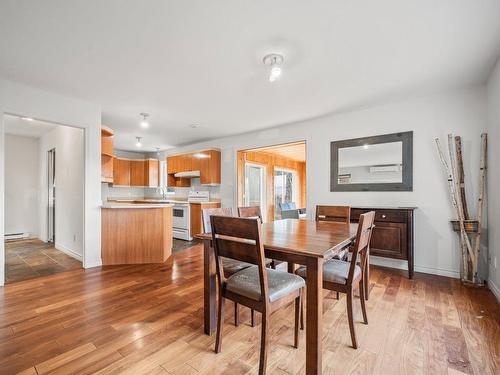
x=494 y=289
x=68 y=251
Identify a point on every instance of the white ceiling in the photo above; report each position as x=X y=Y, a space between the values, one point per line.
x=18 y=126
x=200 y=61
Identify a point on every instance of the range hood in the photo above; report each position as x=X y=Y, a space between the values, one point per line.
x=187 y=174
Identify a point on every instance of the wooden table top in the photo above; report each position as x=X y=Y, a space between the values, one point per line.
x=304 y=237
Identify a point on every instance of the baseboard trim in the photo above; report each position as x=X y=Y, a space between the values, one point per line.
x=403 y=265
x=91 y=265
x=68 y=251
x=494 y=289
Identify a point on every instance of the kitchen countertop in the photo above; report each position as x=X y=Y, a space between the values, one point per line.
x=135 y=204
x=156 y=201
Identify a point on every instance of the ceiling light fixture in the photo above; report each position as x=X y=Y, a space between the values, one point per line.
x=144 y=121
x=138 y=142
x=194 y=126
x=274 y=62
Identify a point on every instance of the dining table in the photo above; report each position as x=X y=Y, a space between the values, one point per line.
x=297 y=242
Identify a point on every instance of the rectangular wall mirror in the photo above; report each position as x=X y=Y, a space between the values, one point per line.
x=377 y=163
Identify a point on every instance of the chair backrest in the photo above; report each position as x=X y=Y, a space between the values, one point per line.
x=341 y=214
x=250 y=212
x=239 y=239
x=290 y=214
x=207 y=212
x=362 y=245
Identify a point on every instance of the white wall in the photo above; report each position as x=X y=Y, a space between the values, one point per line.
x=461 y=112
x=68 y=143
x=493 y=92
x=19 y=99
x=21 y=184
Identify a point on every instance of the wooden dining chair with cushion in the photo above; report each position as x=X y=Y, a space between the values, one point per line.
x=344 y=277
x=255 y=213
x=230 y=266
x=259 y=288
x=250 y=212
x=340 y=214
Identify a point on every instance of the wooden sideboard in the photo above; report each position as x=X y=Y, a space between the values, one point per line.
x=393 y=236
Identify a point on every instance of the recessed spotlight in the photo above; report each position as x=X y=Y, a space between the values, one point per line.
x=194 y=126
x=144 y=121
x=26 y=118
x=138 y=142
x=274 y=62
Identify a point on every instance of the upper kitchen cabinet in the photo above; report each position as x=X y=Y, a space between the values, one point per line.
x=137 y=173
x=106 y=154
x=151 y=173
x=121 y=172
x=204 y=164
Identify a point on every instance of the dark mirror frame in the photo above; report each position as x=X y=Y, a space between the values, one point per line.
x=406 y=185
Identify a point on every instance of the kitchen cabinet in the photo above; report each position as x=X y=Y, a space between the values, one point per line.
x=196 y=215
x=151 y=173
x=121 y=172
x=137 y=173
x=205 y=161
x=106 y=154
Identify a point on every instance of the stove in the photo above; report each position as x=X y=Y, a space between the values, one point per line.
x=182 y=214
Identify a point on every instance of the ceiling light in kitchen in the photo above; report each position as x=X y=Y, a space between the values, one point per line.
x=138 y=142
x=144 y=121
x=274 y=62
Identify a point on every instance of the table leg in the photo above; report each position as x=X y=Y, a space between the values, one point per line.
x=314 y=316
x=209 y=288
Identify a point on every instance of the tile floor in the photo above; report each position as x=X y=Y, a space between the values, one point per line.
x=28 y=259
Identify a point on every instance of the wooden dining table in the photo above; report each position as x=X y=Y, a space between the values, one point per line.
x=303 y=242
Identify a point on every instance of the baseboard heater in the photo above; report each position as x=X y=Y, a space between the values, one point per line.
x=16 y=236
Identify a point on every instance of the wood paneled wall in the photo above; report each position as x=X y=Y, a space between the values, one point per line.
x=270 y=161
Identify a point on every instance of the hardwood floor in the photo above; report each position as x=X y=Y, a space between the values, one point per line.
x=27 y=259
x=148 y=319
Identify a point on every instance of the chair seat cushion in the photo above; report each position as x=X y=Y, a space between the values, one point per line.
x=231 y=266
x=247 y=283
x=334 y=271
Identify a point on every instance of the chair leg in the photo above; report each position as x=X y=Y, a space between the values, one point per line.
x=362 y=299
x=220 y=322
x=338 y=295
x=351 y=319
x=252 y=317
x=302 y=312
x=236 y=315
x=263 y=344
x=298 y=305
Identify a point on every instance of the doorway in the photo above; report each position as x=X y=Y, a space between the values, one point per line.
x=42 y=236
x=273 y=178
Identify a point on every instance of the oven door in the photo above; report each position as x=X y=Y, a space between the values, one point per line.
x=180 y=217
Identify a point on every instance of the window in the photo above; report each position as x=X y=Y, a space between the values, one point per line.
x=285 y=189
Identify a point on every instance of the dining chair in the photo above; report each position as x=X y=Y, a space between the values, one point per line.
x=254 y=213
x=340 y=214
x=290 y=214
x=230 y=266
x=341 y=276
x=259 y=288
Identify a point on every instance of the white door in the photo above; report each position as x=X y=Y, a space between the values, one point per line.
x=255 y=187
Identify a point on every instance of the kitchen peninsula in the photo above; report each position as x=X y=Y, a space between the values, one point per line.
x=136 y=232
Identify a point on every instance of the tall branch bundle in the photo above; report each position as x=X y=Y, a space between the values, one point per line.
x=456 y=188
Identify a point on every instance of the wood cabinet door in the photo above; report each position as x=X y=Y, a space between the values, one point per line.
x=152 y=173
x=121 y=172
x=106 y=168
x=137 y=168
x=172 y=164
x=210 y=167
x=389 y=240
